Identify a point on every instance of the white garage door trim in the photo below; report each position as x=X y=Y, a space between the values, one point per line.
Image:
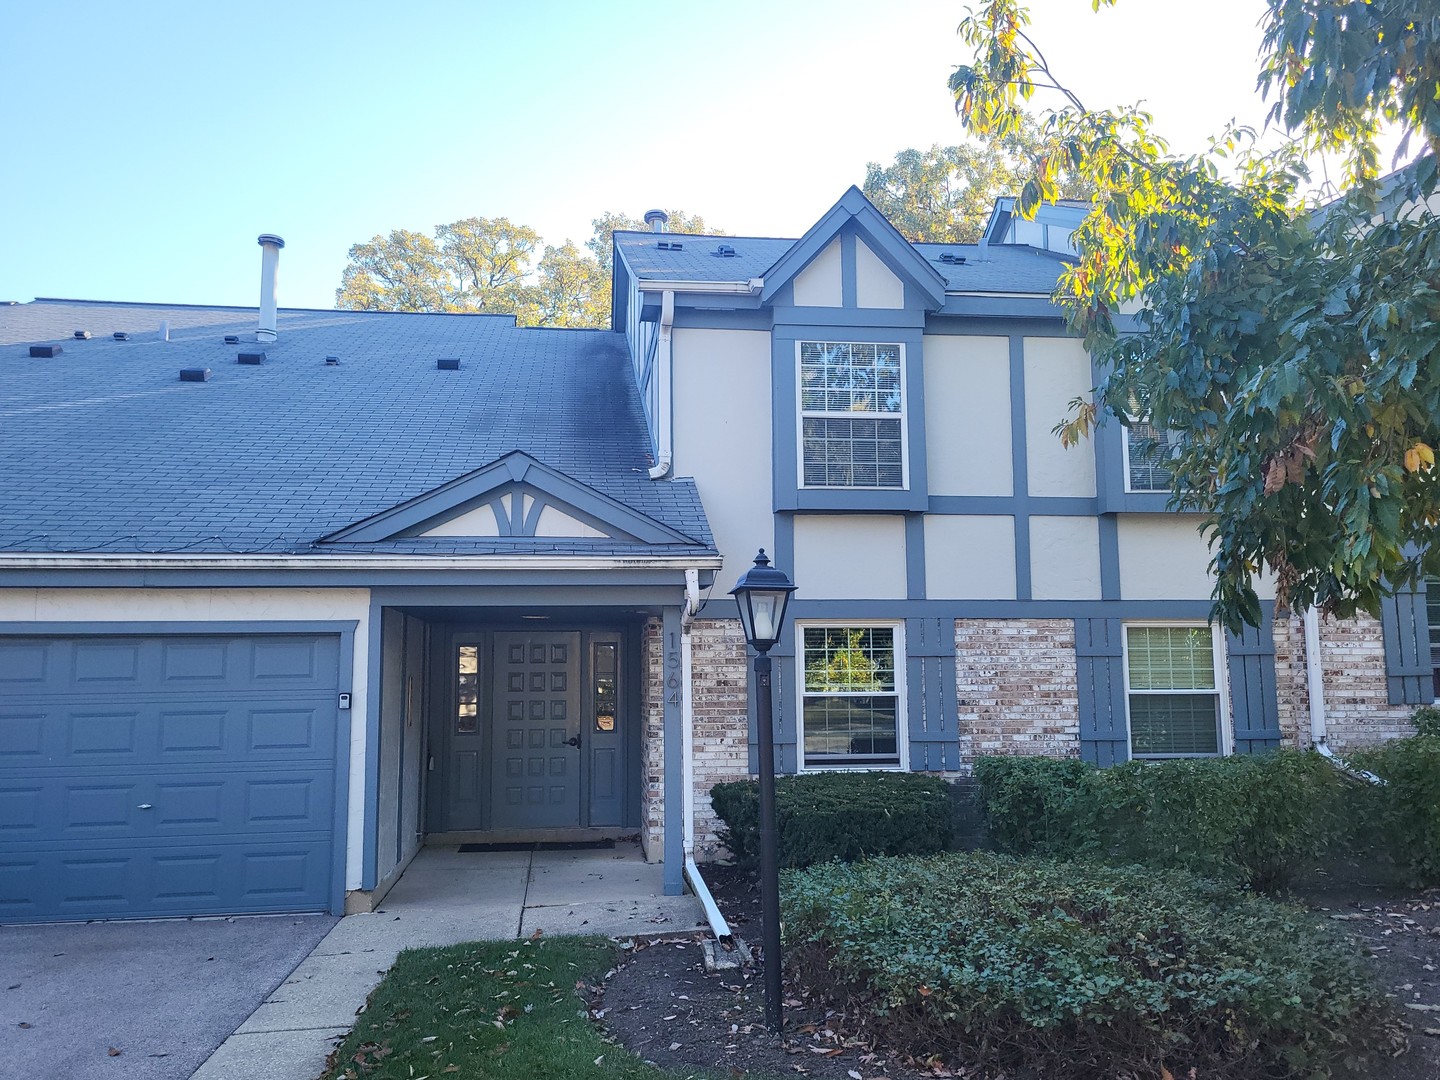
x=344 y=630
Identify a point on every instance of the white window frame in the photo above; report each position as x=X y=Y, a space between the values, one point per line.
x=902 y=720
x=1226 y=738
x=1125 y=466
x=801 y=414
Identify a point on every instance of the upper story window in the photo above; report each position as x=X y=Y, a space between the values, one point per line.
x=1172 y=691
x=852 y=415
x=1147 y=453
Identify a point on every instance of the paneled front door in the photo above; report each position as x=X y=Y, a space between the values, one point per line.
x=537 y=737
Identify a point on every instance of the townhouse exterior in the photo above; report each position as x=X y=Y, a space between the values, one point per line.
x=282 y=600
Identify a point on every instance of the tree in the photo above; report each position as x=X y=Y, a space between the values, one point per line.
x=1289 y=350
x=572 y=290
x=945 y=194
x=489 y=257
x=404 y=271
x=478 y=264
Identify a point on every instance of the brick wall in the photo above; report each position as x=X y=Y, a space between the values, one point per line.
x=1016 y=688
x=721 y=732
x=1291 y=691
x=720 y=703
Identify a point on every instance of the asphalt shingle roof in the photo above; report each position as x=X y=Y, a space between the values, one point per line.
x=1005 y=268
x=103 y=448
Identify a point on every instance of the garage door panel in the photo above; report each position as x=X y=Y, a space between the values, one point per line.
x=166 y=880
x=68 y=734
x=180 y=775
x=178 y=665
x=62 y=808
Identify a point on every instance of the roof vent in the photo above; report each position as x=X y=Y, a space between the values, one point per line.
x=232 y=339
x=195 y=374
x=120 y=335
x=82 y=335
x=670 y=245
x=725 y=251
x=45 y=350
x=448 y=363
x=250 y=358
x=332 y=361
x=951 y=258
x=657 y=220
x=164 y=330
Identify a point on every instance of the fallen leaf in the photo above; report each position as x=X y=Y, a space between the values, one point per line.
x=599 y=1059
x=536 y=935
x=23 y=1024
x=113 y=1052
x=674 y=1046
x=853 y=1074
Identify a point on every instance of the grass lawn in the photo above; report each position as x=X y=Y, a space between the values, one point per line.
x=505 y=1009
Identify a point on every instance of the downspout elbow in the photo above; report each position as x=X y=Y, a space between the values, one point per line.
x=665 y=420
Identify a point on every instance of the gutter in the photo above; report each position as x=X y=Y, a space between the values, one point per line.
x=718 y=926
x=50 y=561
x=724 y=288
x=665 y=420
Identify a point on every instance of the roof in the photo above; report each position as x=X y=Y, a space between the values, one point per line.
x=104 y=449
x=1008 y=267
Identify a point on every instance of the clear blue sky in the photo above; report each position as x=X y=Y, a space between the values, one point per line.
x=146 y=144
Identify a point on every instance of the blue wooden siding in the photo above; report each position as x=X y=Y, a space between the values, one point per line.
x=1104 y=732
x=1250 y=664
x=1408 y=671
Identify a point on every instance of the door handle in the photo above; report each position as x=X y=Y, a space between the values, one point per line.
x=574 y=740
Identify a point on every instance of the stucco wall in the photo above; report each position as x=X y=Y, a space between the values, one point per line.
x=818 y=285
x=1057 y=370
x=722 y=436
x=967 y=415
x=875 y=285
x=850 y=556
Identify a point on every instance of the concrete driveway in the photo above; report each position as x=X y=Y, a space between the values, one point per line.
x=164 y=994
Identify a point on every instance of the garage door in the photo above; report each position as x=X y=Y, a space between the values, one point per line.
x=151 y=776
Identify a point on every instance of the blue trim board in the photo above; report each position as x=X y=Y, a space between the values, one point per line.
x=1109 y=557
x=942 y=325
x=674 y=776
x=822 y=322
x=915 y=556
x=981 y=306
x=989 y=505
x=345 y=676
x=998 y=609
x=848 y=290
x=580 y=586
x=1019 y=467
x=373 y=650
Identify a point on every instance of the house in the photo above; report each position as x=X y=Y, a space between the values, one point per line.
x=282 y=598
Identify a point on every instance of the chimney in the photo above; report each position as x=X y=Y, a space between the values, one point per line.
x=657 y=220
x=270 y=246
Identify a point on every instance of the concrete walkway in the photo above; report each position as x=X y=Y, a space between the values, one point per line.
x=444 y=898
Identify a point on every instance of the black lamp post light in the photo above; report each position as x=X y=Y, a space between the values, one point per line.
x=762 y=595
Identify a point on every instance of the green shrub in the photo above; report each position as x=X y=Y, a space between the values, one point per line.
x=1402 y=817
x=1078 y=967
x=839 y=815
x=1252 y=818
x=1039 y=805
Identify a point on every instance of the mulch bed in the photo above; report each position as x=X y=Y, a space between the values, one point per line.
x=660 y=1003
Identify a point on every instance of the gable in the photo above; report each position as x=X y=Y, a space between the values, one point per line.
x=854 y=257
x=515 y=497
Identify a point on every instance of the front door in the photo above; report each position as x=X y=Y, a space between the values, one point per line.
x=535 y=754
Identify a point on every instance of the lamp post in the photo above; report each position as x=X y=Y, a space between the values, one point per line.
x=762 y=594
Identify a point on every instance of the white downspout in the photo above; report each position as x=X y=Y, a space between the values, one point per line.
x=1315 y=680
x=718 y=926
x=1315 y=689
x=664 y=419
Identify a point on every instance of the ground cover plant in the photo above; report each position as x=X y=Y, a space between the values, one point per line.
x=840 y=815
x=1401 y=817
x=1082 y=967
x=494 y=1010
x=1255 y=819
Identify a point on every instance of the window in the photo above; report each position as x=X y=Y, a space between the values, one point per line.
x=1146 y=454
x=851 y=687
x=852 y=416
x=467 y=689
x=1172 y=691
